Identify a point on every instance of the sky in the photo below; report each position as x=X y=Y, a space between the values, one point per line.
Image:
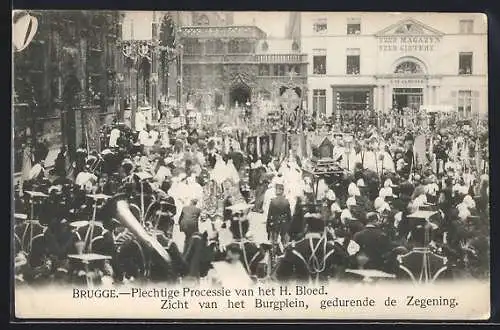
x=272 y=23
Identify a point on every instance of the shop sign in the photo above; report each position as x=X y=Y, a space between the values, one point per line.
x=408 y=43
x=407 y=82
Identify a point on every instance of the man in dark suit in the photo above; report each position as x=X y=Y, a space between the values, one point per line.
x=279 y=215
x=188 y=221
x=314 y=257
x=374 y=243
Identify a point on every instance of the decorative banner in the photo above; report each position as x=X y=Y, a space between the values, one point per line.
x=420 y=150
x=91 y=129
x=23 y=31
x=298 y=145
x=265 y=148
x=252 y=147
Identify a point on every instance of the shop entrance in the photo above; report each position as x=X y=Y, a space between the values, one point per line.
x=407 y=98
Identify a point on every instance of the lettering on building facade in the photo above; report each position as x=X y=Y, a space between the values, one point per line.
x=408 y=44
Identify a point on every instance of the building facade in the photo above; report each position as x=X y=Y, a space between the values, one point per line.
x=228 y=65
x=379 y=62
x=72 y=63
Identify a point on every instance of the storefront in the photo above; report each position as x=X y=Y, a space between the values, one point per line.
x=352 y=98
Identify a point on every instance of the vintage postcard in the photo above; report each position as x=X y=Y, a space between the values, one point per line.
x=250 y=165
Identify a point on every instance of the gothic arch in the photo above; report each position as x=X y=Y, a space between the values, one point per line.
x=408 y=61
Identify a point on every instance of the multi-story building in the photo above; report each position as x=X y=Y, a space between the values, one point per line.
x=226 y=64
x=383 y=61
x=71 y=64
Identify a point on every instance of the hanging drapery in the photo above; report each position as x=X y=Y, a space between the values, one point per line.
x=91 y=129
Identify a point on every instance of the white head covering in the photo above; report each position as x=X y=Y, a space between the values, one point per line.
x=330 y=195
x=351 y=201
x=353 y=190
x=464 y=190
x=469 y=201
x=378 y=203
x=385 y=192
x=388 y=183
x=360 y=183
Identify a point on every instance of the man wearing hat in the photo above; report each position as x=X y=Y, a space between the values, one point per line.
x=242 y=236
x=314 y=257
x=279 y=215
x=374 y=243
x=188 y=221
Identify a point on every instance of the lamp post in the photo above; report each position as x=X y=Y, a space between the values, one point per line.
x=136 y=52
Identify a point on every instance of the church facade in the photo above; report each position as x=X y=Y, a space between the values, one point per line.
x=384 y=61
x=227 y=65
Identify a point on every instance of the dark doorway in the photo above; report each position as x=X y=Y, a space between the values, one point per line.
x=410 y=98
x=240 y=94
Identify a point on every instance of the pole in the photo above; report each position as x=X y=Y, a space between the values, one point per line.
x=136 y=108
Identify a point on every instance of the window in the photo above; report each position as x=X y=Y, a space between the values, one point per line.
x=464 y=103
x=319 y=101
x=263 y=70
x=192 y=47
x=214 y=47
x=240 y=47
x=320 y=25
x=354 y=26
x=319 y=61
x=465 y=63
x=353 y=62
x=279 y=70
x=353 y=100
x=295 y=46
x=466 y=26
x=408 y=67
x=203 y=20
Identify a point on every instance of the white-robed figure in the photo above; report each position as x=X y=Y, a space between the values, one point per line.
x=114 y=135
x=293 y=182
x=322 y=189
x=220 y=172
x=164 y=138
x=269 y=195
x=386 y=162
x=232 y=173
x=85 y=177
x=195 y=190
x=371 y=161
x=37 y=171
x=179 y=192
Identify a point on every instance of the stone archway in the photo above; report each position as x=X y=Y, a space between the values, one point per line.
x=240 y=93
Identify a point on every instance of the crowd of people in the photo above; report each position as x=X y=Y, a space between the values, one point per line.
x=160 y=205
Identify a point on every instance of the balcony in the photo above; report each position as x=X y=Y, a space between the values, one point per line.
x=282 y=58
x=210 y=32
x=282 y=79
x=245 y=58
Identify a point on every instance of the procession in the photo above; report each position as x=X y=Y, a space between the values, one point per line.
x=161 y=205
x=253 y=188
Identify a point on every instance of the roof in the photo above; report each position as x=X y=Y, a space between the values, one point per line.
x=317 y=141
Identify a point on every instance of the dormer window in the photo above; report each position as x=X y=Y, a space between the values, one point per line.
x=203 y=20
x=320 y=25
x=295 y=46
x=354 y=26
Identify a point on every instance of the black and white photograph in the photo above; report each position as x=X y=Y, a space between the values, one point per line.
x=250 y=165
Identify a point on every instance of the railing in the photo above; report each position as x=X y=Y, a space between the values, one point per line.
x=244 y=58
x=282 y=78
x=282 y=58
